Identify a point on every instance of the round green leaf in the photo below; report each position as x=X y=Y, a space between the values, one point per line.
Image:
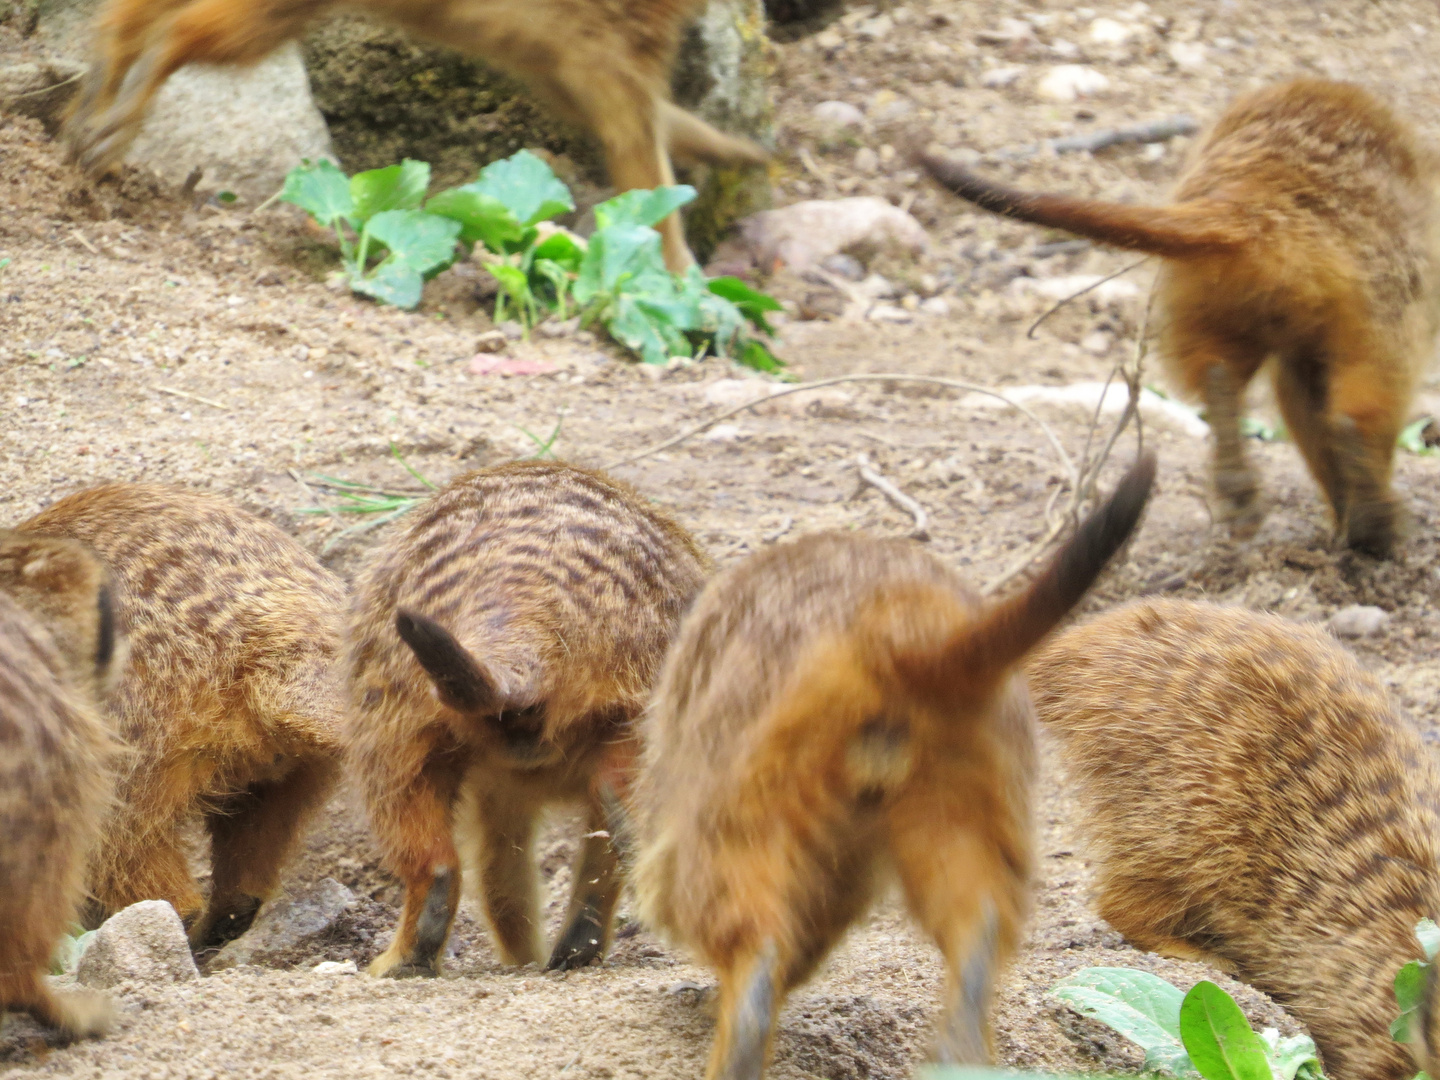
x=425 y=242
x=398 y=187
x=640 y=207
x=483 y=219
x=1218 y=1038
x=526 y=186
x=321 y=190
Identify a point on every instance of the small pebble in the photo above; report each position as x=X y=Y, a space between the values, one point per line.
x=336 y=967
x=1359 y=621
x=839 y=115
x=1067 y=82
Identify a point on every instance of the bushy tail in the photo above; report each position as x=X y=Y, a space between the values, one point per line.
x=987 y=648
x=1196 y=227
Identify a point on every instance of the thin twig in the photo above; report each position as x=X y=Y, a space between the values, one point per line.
x=366 y=489
x=75 y=234
x=580 y=1053
x=193 y=397
x=895 y=495
x=929 y=380
x=315 y=498
x=48 y=89
x=1076 y=295
x=786 y=524
x=1148 y=132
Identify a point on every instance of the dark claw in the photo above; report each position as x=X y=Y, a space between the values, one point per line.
x=580 y=943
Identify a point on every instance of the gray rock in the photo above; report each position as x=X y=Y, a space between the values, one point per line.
x=246 y=127
x=1358 y=621
x=144 y=943
x=284 y=923
x=806 y=233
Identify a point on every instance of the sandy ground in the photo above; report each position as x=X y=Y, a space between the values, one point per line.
x=145 y=336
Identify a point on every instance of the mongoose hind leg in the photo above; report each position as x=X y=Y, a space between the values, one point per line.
x=250 y=835
x=750 y=996
x=586 y=931
x=1234 y=476
x=964 y=892
x=507 y=880
x=136 y=862
x=1364 y=444
x=424 y=927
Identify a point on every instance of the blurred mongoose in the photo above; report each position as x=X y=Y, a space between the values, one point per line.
x=1251 y=799
x=602 y=64
x=832 y=706
x=1304 y=230
x=59 y=652
x=499 y=648
x=231 y=700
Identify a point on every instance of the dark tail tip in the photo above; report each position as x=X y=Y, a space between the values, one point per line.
x=1104 y=532
x=959 y=180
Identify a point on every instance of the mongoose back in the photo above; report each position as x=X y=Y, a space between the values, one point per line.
x=231 y=700
x=499 y=648
x=602 y=64
x=831 y=706
x=58 y=651
x=1251 y=799
x=1305 y=229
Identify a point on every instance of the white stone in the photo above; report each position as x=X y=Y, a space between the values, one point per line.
x=246 y=127
x=1359 y=621
x=936 y=305
x=1060 y=288
x=1066 y=82
x=867 y=161
x=1188 y=55
x=143 y=943
x=728 y=393
x=1001 y=77
x=336 y=967
x=889 y=313
x=1105 y=31
x=724 y=433
x=838 y=115
x=1096 y=343
x=805 y=233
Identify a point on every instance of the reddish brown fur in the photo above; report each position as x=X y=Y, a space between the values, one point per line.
x=57 y=757
x=1252 y=799
x=603 y=64
x=1305 y=229
x=830 y=707
x=552 y=593
x=230 y=701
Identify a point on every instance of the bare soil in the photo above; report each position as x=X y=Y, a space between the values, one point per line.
x=150 y=335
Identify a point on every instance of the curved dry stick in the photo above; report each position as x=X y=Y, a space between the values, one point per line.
x=1088 y=288
x=929 y=380
x=921 y=529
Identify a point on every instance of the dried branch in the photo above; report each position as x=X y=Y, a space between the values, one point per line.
x=895 y=495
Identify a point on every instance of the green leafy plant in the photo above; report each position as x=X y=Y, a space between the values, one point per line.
x=1410 y=983
x=617 y=278
x=69 y=949
x=1202 y=1033
x=378 y=212
x=1199 y=1035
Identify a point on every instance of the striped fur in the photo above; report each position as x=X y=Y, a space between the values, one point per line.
x=833 y=707
x=231 y=700
x=1252 y=799
x=57 y=759
x=560 y=590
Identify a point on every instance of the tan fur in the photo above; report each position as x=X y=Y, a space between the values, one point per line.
x=546 y=596
x=1251 y=798
x=1304 y=230
x=832 y=707
x=603 y=64
x=57 y=759
x=231 y=701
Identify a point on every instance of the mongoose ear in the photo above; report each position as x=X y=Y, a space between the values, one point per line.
x=978 y=656
x=462 y=682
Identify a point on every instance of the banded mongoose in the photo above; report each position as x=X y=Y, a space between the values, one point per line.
x=231 y=701
x=59 y=653
x=1250 y=798
x=500 y=647
x=832 y=706
x=1303 y=230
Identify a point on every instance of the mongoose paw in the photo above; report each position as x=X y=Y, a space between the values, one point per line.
x=580 y=944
